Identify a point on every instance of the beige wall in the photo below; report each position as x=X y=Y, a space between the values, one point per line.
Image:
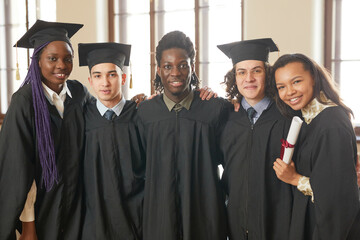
x=91 y=13
x=295 y=26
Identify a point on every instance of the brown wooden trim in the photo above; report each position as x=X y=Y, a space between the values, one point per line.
x=8 y=53
x=242 y=20
x=357 y=133
x=197 y=37
x=337 y=41
x=111 y=20
x=152 y=45
x=328 y=29
x=2 y=116
x=27 y=29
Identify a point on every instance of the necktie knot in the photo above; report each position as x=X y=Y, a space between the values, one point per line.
x=177 y=107
x=251 y=114
x=109 y=114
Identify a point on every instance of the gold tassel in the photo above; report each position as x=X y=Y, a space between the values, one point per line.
x=131 y=82
x=17 y=65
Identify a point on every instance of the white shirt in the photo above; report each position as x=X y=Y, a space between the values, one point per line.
x=57 y=99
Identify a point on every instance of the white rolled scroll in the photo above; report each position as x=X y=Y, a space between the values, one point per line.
x=287 y=147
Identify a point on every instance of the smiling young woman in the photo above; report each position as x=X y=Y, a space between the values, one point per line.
x=326 y=204
x=41 y=141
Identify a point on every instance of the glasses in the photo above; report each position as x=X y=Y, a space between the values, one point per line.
x=183 y=68
x=257 y=72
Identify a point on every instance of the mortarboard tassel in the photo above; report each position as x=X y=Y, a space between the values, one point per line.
x=131 y=82
x=17 y=65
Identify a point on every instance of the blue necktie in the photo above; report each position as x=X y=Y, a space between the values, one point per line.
x=109 y=114
x=251 y=114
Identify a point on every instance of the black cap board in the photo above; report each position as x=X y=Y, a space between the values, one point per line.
x=42 y=32
x=91 y=54
x=255 y=49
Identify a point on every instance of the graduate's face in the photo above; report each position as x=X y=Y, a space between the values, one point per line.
x=106 y=79
x=175 y=72
x=295 y=85
x=250 y=80
x=56 y=63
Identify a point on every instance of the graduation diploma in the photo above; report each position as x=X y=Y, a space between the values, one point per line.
x=287 y=146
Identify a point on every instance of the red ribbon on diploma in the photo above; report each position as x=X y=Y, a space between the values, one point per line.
x=284 y=144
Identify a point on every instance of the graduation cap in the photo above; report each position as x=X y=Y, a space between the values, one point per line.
x=42 y=32
x=91 y=54
x=255 y=49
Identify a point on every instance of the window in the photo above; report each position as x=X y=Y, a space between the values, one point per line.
x=345 y=57
x=13 y=17
x=206 y=22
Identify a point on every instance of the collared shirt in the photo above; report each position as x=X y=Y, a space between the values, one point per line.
x=186 y=102
x=117 y=108
x=310 y=111
x=57 y=99
x=259 y=107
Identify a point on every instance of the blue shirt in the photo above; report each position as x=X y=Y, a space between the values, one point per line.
x=259 y=107
x=117 y=108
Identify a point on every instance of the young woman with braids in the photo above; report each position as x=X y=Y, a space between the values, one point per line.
x=41 y=141
x=326 y=201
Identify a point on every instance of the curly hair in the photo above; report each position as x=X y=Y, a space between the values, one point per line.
x=175 y=39
x=232 y=92
x=322 y=78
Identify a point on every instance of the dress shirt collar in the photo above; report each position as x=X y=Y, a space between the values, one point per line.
x=259 y=107
x=310 y=111
x=186 y=102
x=117 y=108
x=50 y=94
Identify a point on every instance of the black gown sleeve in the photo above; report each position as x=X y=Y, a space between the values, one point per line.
x=17 y=167
x=333 y=180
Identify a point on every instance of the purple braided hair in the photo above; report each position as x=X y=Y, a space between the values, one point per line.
x=42 y=123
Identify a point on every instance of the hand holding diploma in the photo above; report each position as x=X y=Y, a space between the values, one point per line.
x=287 y=147
x=283 y=166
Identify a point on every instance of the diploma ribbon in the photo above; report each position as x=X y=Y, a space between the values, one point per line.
x=285 y=144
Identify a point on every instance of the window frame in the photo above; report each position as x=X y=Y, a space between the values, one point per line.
x=9 y=56
x=332 y=41
x=153 y=43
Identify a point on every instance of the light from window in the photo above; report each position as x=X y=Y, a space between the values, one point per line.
x=223 y=25
x=350 y=56
x=216 y=17
x=132 y=26
x=12 y=27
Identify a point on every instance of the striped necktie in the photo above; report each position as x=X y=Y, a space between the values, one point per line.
x=251 y=114
x=109 y=114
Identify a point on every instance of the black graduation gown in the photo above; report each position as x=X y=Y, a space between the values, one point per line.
x=183 y=196
x=258 y=202
x=327 y=154
x=57 y=212
x=113 y=175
